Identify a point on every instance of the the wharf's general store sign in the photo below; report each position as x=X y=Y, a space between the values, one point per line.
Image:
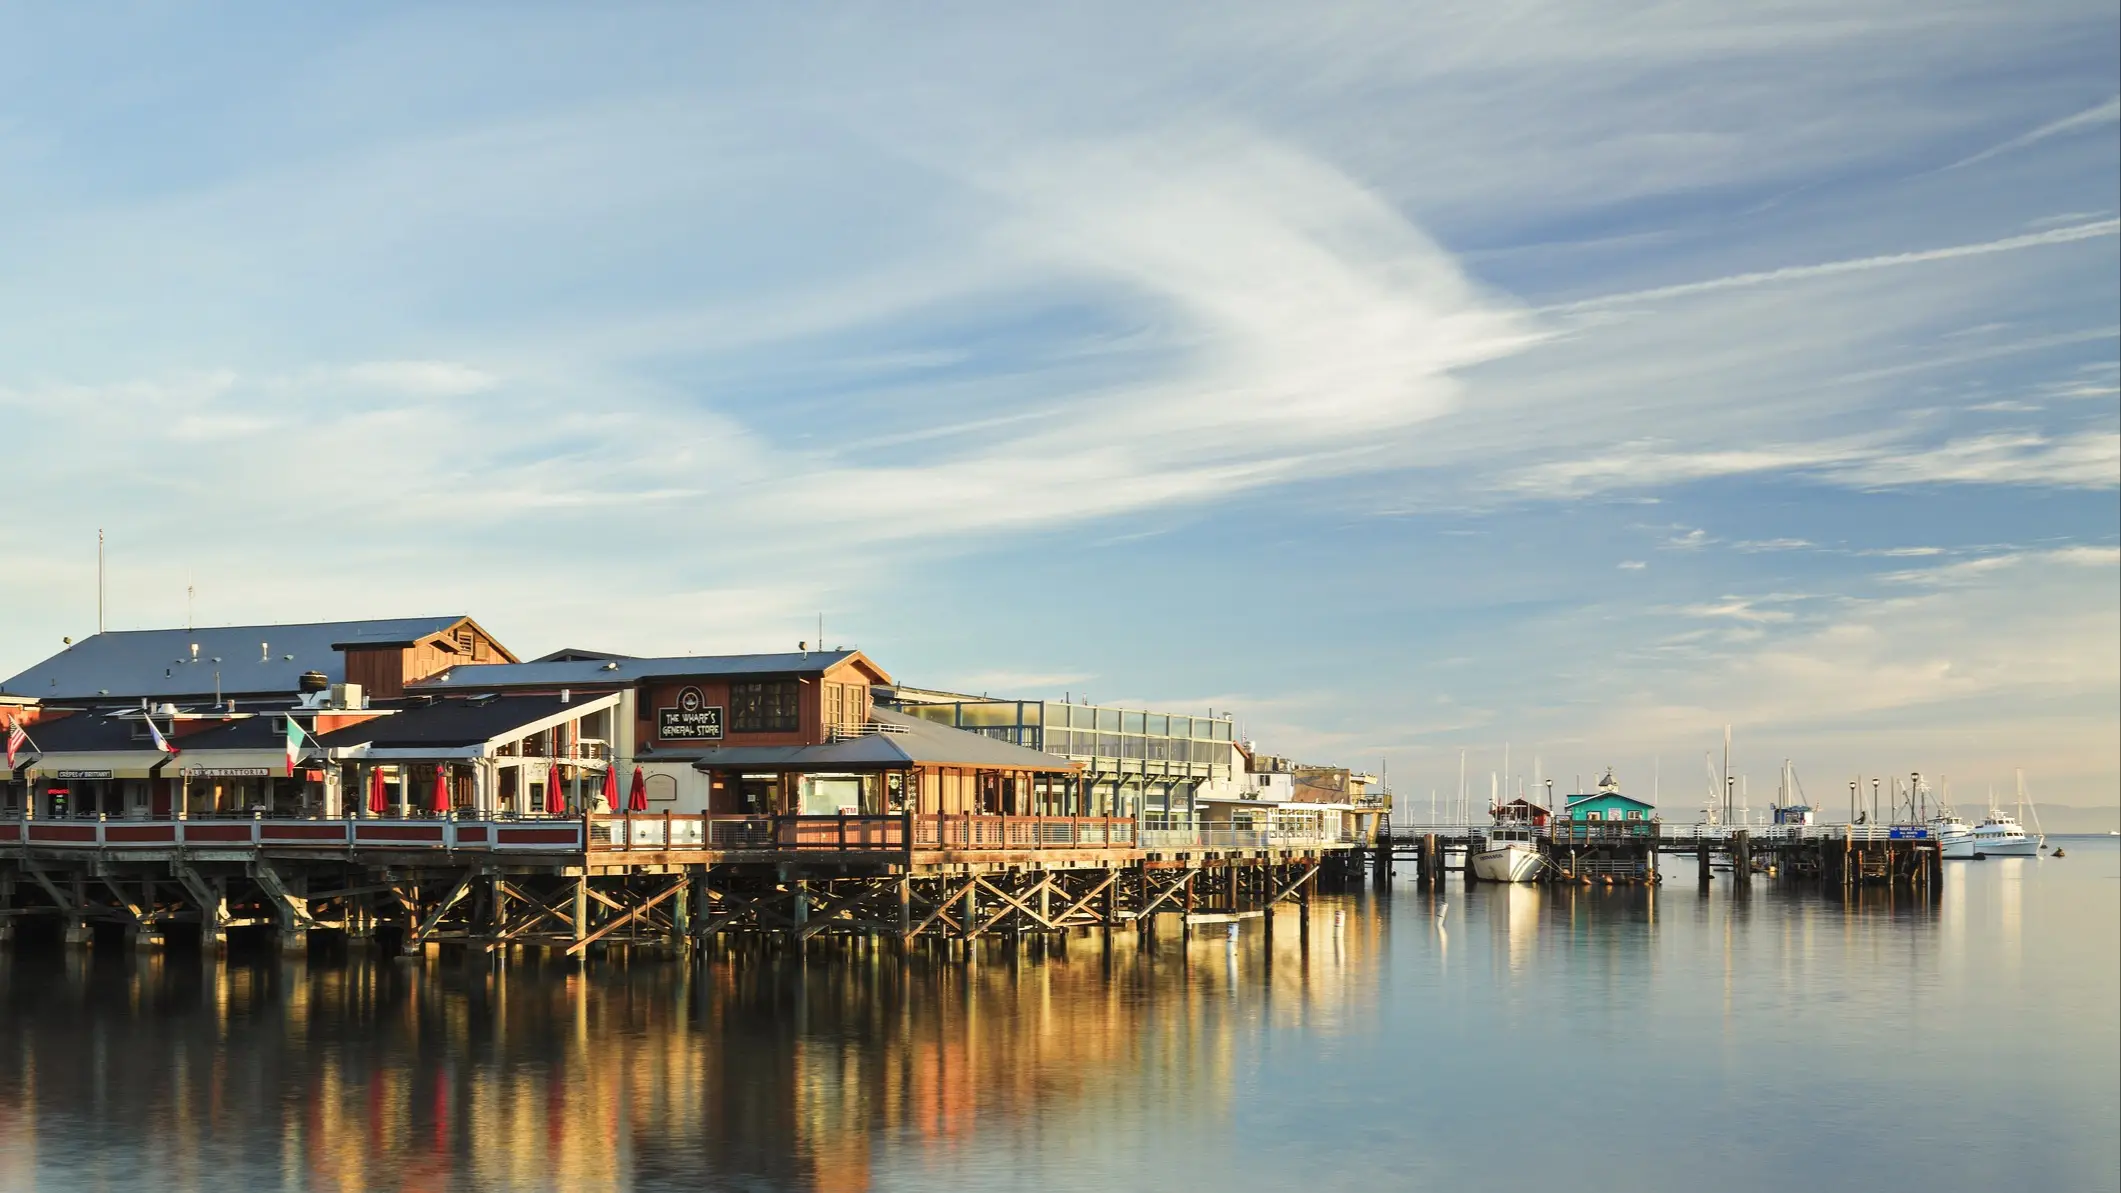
x=692 y=720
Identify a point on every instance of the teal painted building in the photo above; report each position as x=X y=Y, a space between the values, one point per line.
x=1607 y=804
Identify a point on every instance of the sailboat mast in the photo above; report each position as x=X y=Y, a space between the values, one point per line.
x=1726 y=774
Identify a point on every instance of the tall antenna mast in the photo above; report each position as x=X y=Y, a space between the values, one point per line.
x=99 y=579
x=189 y=593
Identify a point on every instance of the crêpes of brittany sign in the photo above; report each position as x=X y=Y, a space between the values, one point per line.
x=692 y=720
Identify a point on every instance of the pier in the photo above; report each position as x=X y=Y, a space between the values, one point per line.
x=1635 y=852
x=574 y=884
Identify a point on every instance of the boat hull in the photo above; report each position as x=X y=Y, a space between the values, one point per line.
x=2007 y=847
x=1956 y=845
x=1507 y=863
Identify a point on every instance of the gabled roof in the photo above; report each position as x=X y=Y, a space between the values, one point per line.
x=456 y=722
x=128 y=664
x=244 y=733
x=85 y=731
x=576 y=654
x=915 y=741
x=619 y=670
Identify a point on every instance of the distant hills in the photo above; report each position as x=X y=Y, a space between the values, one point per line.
x=2067 y=818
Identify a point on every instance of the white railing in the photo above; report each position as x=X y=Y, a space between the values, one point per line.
x=1676 y=834
x=850 y=732
x=1210 y=837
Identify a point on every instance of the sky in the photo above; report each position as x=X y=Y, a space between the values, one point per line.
x=1572 y=379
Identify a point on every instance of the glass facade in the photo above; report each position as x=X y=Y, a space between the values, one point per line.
x=1105 y=740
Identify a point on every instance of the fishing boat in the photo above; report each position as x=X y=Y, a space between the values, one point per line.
x=1510 y=850
x=1509 y=853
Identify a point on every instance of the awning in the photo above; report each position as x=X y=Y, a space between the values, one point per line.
x=64 y=765
x=230 y=764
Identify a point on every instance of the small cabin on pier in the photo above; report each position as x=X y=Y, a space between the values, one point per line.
x=1607 y=805
x=1521 y=811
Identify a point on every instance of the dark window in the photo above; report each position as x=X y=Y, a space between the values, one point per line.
x=765 y=707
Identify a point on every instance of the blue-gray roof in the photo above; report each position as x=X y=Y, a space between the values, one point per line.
x=128 y=664
x=621 y=670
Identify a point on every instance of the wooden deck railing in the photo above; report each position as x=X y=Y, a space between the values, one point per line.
x=854 y=833
x=621 y=832
x=562 y=835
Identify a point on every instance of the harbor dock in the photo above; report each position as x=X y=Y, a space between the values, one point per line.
x=1637 y=852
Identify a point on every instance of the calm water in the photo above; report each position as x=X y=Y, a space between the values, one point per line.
x=1539 y=1039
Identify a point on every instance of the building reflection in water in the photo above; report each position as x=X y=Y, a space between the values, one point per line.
x=753 y=1070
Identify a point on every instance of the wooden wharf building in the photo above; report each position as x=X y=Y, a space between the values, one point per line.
x=574 y=801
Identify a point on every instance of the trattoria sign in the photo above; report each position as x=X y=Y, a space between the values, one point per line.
x=230 y=772
x=693 y=719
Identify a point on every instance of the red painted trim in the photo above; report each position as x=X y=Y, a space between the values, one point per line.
x=156 y=834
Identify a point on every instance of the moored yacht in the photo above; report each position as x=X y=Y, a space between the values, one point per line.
x=2000 y=835
x=1955 y=836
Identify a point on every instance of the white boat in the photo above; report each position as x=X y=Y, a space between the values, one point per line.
x=1955 y=836
x=1508 y=854
x=2000 y=835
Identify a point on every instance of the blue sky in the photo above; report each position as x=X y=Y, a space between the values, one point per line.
x=1577 y=377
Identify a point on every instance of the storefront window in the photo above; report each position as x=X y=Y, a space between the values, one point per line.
x=827 y=795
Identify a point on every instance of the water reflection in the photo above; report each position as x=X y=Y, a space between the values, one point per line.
x=1793 y=1028
x=758 y=1069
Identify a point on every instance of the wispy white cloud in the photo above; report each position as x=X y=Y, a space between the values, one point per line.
x=2096 y=116
x=1795 y=273
x=1737 y=609
x=1969 y=570
x=2084 y=460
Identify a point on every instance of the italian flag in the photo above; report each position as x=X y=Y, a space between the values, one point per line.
x=294 y=743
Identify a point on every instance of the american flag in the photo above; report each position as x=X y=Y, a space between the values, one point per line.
x=16 y=739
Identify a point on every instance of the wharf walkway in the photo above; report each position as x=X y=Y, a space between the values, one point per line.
x=574 y=881
x=1629 y=851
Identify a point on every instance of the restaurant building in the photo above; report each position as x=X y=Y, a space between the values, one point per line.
x=254 y=665
x=1133 y=761
x=794 y=733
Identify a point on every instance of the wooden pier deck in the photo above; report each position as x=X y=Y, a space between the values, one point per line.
x=575 y=883
x=1628 y=852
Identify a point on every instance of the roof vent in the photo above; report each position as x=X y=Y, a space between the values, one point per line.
x=313 y=681
x=611 y=666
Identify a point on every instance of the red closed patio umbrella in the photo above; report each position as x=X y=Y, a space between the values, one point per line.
x=441 y=796
x=637 y=793
x=611 y=788
x=555 y=803
x=377 y=803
